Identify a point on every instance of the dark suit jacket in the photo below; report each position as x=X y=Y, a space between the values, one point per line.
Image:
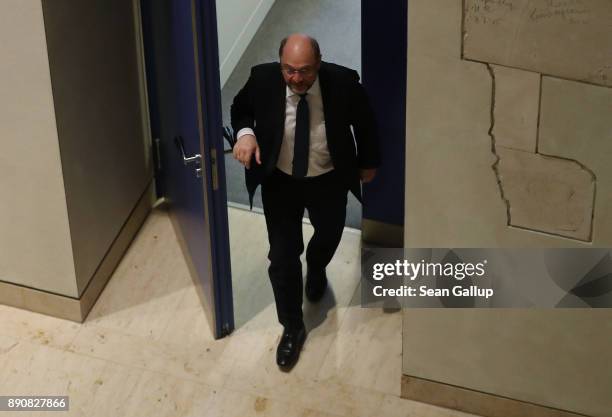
x=261 y=104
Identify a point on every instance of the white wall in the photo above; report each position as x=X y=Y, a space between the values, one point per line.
x=237 y=23
x=35 y=246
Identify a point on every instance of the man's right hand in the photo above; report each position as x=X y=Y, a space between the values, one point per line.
x=244 y=149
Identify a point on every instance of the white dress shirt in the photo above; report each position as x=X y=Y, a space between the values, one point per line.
x=319 y=160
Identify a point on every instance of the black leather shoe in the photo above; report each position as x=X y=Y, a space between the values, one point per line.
x=316 y=284
x=289 y=348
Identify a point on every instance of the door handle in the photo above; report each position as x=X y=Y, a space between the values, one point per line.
x=195 y=159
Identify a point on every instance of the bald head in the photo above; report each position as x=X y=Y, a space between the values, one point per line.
x=300 y=59
x=300 y=46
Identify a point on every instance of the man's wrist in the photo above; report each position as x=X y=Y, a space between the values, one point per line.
x=245 y=131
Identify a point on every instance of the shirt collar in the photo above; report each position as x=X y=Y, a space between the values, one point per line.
x=314 y=90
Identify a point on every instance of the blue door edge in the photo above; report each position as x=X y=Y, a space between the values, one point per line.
x=210 y=82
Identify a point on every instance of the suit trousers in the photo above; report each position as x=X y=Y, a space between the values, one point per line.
x=284 y=199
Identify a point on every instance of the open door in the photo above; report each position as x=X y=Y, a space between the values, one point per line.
x=184 y=99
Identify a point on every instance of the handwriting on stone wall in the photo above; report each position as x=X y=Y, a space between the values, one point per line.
x=563 y=38
x=492 y=12
x=488 y=12
x=570 y=11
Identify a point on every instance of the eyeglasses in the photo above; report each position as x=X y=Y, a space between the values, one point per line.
x=292 y=71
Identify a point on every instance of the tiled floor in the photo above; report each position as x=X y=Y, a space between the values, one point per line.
x=146 y=348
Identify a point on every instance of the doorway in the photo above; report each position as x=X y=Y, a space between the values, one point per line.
x=252 y=294
x=337 y=27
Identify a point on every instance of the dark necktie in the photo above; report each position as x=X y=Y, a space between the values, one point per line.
x=302 y=139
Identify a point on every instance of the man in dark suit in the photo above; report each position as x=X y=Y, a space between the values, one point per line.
x=293 y=121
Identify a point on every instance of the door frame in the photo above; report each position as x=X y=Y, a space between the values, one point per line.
x=205 y=17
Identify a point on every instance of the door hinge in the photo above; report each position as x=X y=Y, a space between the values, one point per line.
x=214 y=169
x=157 y=155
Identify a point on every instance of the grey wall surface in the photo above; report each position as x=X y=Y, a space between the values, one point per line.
x=504 y=150
x=35 y=247
x=555 y=358
x=96 y=74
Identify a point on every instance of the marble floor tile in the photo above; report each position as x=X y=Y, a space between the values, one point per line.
x=15 y=364
x=264 y=379
x=97 y=387
x=103 y=390
x=162 y=395
x=7 y=344
x=37 y=328
x=59 y=372
x=194 y=330
x=150 y=281
x=204 y=363
x=42 y=370
x=367 y=350
x=230 y=403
